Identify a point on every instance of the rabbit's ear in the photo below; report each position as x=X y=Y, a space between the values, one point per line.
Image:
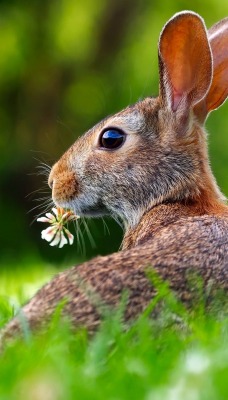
x=218 y=38
x=185 y=62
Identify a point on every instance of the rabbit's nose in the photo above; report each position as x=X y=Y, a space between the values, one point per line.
x=50 y=182
x=53 y=174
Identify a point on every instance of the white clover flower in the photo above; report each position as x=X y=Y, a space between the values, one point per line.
x=57 y=234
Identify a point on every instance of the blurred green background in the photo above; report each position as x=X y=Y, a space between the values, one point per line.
x=64 y=65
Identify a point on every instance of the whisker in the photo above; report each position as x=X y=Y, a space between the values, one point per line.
x=60 y=122
x=40 y=173
x=118 y=221
x=39 y=199
x=79 y=234
x=46 y=203
x=43 y=166
x=106 y=228
x=43 y=153
x=80 y=238
x=46 y=207
x=92 y=242
x=43 y=189
x=42 y=169
x=41 y=162
x=44 y=199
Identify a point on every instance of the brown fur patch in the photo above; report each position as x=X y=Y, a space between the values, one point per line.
x=63 y=182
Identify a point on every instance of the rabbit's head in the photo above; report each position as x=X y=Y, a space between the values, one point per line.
x=155 y=150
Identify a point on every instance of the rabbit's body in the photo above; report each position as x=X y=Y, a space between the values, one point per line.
x=172 y=251
x=168 y=229
x=148 y=166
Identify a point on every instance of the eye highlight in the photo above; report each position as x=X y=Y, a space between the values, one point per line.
x=112 y=138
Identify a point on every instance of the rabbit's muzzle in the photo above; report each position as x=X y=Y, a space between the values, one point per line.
x=63 y=183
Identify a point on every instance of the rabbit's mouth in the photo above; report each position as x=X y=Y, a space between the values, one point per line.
x=98 y=210
x=84 y=208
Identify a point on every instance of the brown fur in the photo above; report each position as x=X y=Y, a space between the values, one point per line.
x=159 y=183
x=66 y=186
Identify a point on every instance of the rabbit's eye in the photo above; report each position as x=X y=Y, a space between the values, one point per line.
x=112 y=139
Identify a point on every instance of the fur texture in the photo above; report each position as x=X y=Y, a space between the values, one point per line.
x=159 y=183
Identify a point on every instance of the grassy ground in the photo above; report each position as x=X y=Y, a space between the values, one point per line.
x=181 y=355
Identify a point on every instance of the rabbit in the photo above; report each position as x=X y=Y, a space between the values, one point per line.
x=148 y=166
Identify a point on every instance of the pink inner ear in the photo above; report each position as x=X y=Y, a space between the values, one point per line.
x=185 y=61
x=177 y=96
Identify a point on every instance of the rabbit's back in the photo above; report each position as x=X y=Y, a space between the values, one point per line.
x=191 y=240
x=188 y=252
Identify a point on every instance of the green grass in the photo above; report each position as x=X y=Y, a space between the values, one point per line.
x=182 y=355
